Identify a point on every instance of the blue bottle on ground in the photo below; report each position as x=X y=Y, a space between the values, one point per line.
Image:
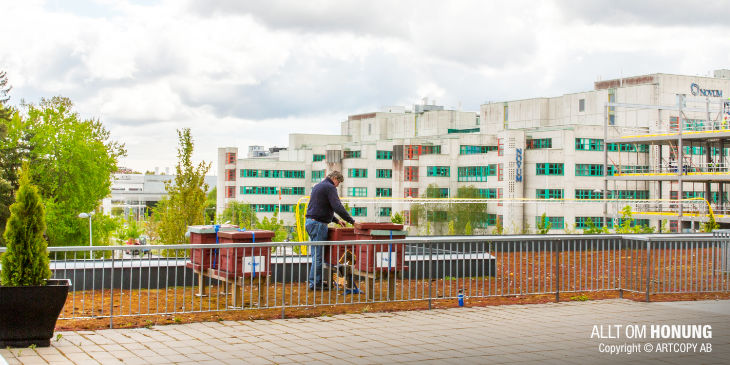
x=461 y=298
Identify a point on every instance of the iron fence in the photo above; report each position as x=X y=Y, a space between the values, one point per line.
x=162 y=280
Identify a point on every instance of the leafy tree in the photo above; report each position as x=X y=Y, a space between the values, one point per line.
x=544 y=225
x=468 y=230
x=397 y=218
x=71 y=161
x=275 y=225
x=592 y=229
x=498 y=227
x=452 y=230
x=26 y=260
x=240 y=214
x=185 y=201
x=210 y=205
x=627 y=223
x=711 y=225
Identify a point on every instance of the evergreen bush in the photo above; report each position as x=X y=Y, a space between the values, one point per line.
x=25 y=263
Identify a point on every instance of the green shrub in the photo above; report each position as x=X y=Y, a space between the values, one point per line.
x=25 y=263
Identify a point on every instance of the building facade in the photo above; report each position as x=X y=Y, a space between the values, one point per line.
x=538 y=156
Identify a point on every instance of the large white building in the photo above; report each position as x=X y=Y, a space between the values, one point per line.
x=525 y=152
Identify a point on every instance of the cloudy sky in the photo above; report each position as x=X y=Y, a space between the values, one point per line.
x=240 y=73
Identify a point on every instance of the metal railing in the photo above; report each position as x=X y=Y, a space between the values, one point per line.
x=220 y=277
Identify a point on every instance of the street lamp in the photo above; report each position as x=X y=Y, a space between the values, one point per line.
x=84 y=216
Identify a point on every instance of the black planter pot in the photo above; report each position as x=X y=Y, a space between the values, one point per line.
x=28 y=314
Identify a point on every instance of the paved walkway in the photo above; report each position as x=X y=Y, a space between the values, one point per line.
x=538 y=333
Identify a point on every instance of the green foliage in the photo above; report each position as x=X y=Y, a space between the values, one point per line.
x=131 y=228
x=711 y=225
x=544 y=225
x=26 y=262
x=71 y=161
x=498 y=227
x=275 y=225
x=592 y=229
x=457 y=214
x=664 y=228
x=185 y=202
x=468 y=230
x=627 y=223
x=397 y=218
x=240 y=214
x=452 y=231
x=211 y=202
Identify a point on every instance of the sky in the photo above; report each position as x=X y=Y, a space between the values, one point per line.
x=242 y=73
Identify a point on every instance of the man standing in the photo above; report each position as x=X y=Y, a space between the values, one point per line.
x=323 y=203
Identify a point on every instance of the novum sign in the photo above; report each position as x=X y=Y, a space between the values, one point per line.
x=695 y=89
x=518 y=163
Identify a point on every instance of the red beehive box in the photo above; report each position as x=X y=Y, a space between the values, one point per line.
x=205 y=234
x=334 y=252
x=246 y=261
x=386 y=256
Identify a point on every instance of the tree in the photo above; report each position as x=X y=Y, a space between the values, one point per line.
x=544 y=225
x=498 y=227
x=711 y=225
x=239 y=214
x=275 y=225
x=452 y=230
x=468 y=230
x=185 y=203
x=592 y=229
x=627 y=223
x=71 y=161
x=397 y=218
x=211 y=202
x=26 y=260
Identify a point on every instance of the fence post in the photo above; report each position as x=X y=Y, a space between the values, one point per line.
x=557 y=251
x=648 y=269
x=283 y=281
x=430 y=278
x=111 y=295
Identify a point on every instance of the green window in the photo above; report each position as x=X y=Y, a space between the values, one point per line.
x=288 y=174
x=384 y=155
x=582 y=222
x=587 y=194
x=534 y=144
x=358 y=211
x=438 y=171
x=491 y=219
x=383 y=192
x=316 y=158
x=317 y=175
x=357 y=192
x=357 y=173
x=476 y=173
x=350 y=154
x=628 y=147
x=474 y=150
x=628 y=194
x=385 y=211
x=487 y=193
x=628 y=169
x=271 y=208
x=549 y=193
x=441 y=193
x=556 y=222
x=588 y=144
x=271 y=190
x=549 y=169
x=588 y=170
x=437 y=216
x=384 y=173
x=292 y=191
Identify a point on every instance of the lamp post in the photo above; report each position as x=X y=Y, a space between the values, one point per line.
x=84 y=216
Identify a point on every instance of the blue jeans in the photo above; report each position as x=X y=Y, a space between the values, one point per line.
x=317 y=231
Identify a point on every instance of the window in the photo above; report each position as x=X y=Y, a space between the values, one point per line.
x=581 y=105
x=410 y=173
x=611 y=109
x=506 y=115
x=438 y=171
x=437 y=216
x=317 y=175
x=549 y=193
x=384 y=155
x=588 y=170
x=491 y=219
x=500 y=147
x=556 y=222
x=384 y=173
x=316 y=158
x=357 y=173
x=535 y=144
x=499 y=196
x=410 y=193
x=549 y=169
x=271 y=208
x=230 y=157
x=582 y=222
x=476 y=173
x=413 y=151
x=627 y=169
x=230 y=175
x=628 y=194
x=437 y=193
x=359 y=211
x=628 y=147
x=500 y=172
x=587 y=194
x=588 y=144
x=473 y=150
x=271 y=190
x=357 y=192
x=230 y=191
x=465 y=130
x=350 y=154
x=385 y=212
x=383 y=192
x=288 y=174
x=295 y=190
x=487 y=193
